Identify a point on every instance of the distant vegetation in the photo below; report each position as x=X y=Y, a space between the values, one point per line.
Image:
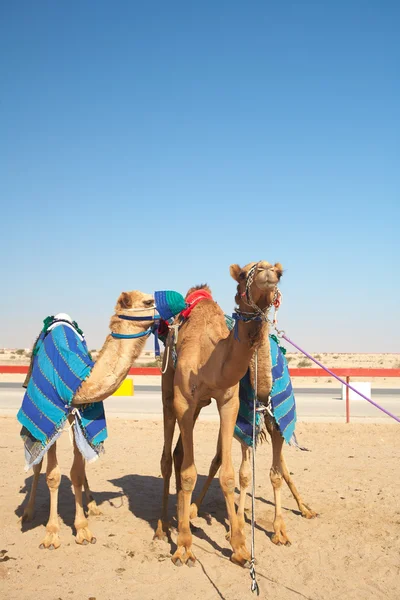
x=305 y=362
x=154 y=363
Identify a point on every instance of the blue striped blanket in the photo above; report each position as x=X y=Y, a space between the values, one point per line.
x=283 y=405
x=61 y=363
x=244 y=421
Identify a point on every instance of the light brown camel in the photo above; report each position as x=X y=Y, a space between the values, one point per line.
x=211 y=361
x=114 y=361
x=278 y=469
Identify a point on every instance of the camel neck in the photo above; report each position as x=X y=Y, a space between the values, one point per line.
x=112 y=366
x=264 y=368
x=241 y=344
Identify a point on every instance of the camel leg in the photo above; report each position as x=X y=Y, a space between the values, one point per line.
x=188 y=476
x=228 y=414
x=53 y=478
x=305 y=510
x=83 y=533
x=93 y=509
x=29 y=508
x=215 y=465
x=178 y=460
x=244 y=482
x=280 y=535
x=162 y=531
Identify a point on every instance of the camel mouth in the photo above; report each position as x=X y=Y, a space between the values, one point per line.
x=267 y=280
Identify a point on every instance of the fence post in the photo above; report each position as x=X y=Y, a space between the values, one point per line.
x=347 y=401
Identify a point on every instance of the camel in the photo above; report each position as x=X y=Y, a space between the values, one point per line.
x=211 y=362
x=121 y=348
x=278 y=469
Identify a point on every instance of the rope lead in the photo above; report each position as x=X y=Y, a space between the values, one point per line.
x=254 y=584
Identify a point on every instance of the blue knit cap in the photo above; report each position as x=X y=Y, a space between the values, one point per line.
x=169 y=303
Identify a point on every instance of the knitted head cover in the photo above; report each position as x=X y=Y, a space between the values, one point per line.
x=169 y=303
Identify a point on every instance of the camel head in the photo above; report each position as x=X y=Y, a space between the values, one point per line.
x=257 y=284
x=135 y=301
x=130 y=307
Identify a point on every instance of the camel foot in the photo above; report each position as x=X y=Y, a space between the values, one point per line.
x=178 y=562
x=307 y=512
x=241 y=557
x=280 y=538
x=51 y=542
x=93 y=509
x=162 y=531
x=84 y=536
x=183 y=556
x=194 y=511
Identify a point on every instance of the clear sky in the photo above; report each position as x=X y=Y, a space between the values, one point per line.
x=149 y=145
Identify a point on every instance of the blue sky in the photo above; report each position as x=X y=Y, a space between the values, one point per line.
x=150 y=145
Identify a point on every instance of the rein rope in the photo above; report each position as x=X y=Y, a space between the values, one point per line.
x=175 y=329
x=254 y=584
x=282 y=334
x=152 y=329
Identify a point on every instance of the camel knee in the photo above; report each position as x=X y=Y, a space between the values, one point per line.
x=53 y=478
x=244 y=478
x=188 y=478
x=227 y=480
x=244 y=473
x=276 y=478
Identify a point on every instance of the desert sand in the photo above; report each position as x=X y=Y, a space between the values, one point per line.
x=350 y=477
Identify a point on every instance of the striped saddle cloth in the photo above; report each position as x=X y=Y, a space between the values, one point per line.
x=282 y=401
x=61 y=363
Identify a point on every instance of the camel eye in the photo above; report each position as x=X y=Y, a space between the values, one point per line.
x=148 y=303
x=242 y=276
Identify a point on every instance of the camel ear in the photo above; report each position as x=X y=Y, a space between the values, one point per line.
x=279 y=269
x=124 y=301
x=235 y=271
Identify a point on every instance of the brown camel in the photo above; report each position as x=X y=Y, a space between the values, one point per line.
x=211 y=361
x=112 y=366
x=278 y=469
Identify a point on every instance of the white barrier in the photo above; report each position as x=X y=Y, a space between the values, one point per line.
x=362 y=386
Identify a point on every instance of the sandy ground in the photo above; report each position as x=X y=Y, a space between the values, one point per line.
x=350 y=476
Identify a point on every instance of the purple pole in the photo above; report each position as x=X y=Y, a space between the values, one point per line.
x=339 y=379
